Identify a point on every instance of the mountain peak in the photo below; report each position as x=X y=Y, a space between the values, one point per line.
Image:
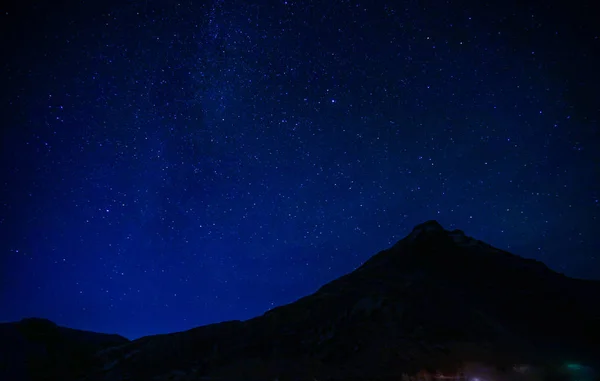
x=427 y=227
x=431 y=225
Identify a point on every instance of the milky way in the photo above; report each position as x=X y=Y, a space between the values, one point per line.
x=167 y=165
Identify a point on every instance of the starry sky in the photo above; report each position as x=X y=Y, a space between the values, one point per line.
x=171 y=164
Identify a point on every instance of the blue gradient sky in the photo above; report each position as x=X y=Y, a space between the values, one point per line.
x=167 y=165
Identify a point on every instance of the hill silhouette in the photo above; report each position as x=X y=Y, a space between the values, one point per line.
x=436 y=305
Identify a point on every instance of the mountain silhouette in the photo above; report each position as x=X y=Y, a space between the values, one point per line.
x=438 y=304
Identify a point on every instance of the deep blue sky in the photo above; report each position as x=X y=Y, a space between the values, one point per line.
x=167 y=165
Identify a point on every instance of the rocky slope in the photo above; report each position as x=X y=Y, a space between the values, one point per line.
x=38 y=349
x=432 y=305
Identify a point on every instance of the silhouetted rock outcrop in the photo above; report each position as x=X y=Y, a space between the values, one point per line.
x=437 y=304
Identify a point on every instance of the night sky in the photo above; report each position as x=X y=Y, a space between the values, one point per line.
x=166 y=165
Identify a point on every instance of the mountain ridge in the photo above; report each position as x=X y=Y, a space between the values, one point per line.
x=433 y=302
